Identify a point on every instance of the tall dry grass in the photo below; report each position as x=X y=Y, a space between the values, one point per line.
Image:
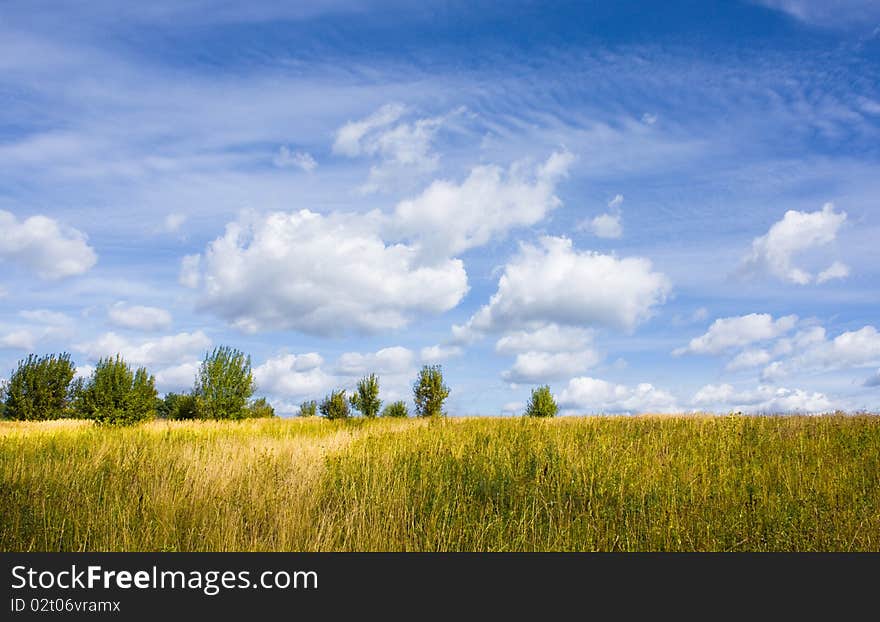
x=617 y=483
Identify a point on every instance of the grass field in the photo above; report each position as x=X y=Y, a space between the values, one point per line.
x=599 y=483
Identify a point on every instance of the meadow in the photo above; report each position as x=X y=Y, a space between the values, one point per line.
x=689 y=483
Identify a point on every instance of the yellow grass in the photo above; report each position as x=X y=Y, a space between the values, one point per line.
x=598 y=483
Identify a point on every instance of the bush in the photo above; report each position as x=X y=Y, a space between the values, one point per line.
x=335 y=406
x=366 y=396
x=39 y=388
x=396 y=409
x=225 y=384
x=541 y=403
x=260 y=408
x=114 y=395
x=429 y=392
x=308 y=409
x=178 y=406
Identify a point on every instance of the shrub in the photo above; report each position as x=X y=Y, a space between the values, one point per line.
x=225 y=384
x=396 y=409
x=260 y=408
x=308 y=408
x=335 y=406
x=541 y=403
x=114 y=395
x=39 y=388
x=429 y=392
x=366 y=396
x=178 y=406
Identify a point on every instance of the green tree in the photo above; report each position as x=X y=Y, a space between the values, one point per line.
x=116 y=395
x=541 y=403
x=335 y=406
x=429 y=392
x=225 y=384
x=396 y=409
x=178 y=406
x=260 y=408
x=366 y=396
x=39 y=388
x=308 y=408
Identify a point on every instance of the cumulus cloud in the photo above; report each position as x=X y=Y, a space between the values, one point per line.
x=585 y=394
x=40 y=324
x=190 y=271
x=394 y=360
x=177 y=377
x=858 y=348
x=748 y=359
x=554 y=283
x=285 y=158
x=139 y=317
x=734 y=332
x=549 y=338
x=873 y=381
x=797 y=232
x=168 y=350
x=403 y=148
x=836 y=270
x=535 y=366
x=173 y=222
x=450 y=218
x=437 y=353
x=764 y=399
x=293 y=375
x=321 y=275
x=608 y=225
x=20 y=339
x=41 y=244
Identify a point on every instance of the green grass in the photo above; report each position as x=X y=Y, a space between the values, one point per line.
x=599 y=483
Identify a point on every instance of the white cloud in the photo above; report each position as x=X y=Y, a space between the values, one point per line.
x=534 y=367
x=795 y=233
x=549 y=338
x=177 y=377
x=349 y=137
x=873 y=381
x=810 y=350
x=824 y=13
x=748 y=359
x=42 y=324
x=294 y=375
x=734 y=332
x=836 y=270
x=190 y=274
x=402 y=148
x=321 y=274
x=20 y=339
x=585 y=394
x=449 y=218
x=764 y=399
x=511 y=408
x=555 y=283
x=41 y=244
x=394 y=360
x=437 y=353
x=139 y=317
x=607 y=225
x=168 y=350
x=294 y=159
x=174 y=221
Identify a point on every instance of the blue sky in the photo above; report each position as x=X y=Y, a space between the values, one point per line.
x=647 y=206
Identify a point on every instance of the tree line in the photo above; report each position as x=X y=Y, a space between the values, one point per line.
x=46 y=387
